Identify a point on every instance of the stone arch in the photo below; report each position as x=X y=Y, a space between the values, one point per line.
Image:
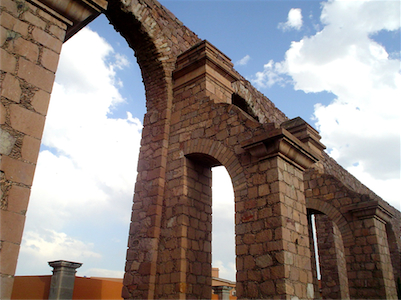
x=184 y=262
x=259 y=104
x=223 y=155
x=331 y=249
x=157 y=37
x=186 y=217
x=363 y=221
x=335 y=215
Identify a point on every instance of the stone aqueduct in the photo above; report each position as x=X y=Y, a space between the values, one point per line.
x=200 y=113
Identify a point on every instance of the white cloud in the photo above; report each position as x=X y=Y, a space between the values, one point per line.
x=361 y=127
x=85 y=175
x=41 y=246
x=362 y=16
x=383 y=187
x=294 y=20
x=272 y=73
x=243 y=61
x=121 y=61
x=52 y=244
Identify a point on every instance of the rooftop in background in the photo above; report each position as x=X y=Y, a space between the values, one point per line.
x=38 y=287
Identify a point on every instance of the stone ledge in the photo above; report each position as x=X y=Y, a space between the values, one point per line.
x=76 y=14
x=52 y=12
x=369 y=209
x=204 y=59
x=306 y=134
x=277 y=141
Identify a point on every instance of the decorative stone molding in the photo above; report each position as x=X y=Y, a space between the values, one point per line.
x=370 y=209
x=306 y=134
x=279 y=142
x=75 y=13
x=205 y=61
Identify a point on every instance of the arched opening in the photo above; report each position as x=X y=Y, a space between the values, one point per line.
x=82 y=194
x=327 y=250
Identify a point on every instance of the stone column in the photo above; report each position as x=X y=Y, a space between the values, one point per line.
x=31 y=36
x=30 y=43
x=223 y=292
x=372 y=274
x=283 y=268
x=63 y=279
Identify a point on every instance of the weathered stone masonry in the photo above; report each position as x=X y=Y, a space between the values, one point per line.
x=30 y=43
x=200 y=113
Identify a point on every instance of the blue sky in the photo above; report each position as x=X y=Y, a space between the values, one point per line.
x=336 y=64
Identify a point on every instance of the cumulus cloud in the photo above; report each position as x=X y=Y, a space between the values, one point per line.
x=44 y=245
x=86 y=172
x=294 y=20
x=272 y=74
x=54 y=244
x=361 y=127
x=243 y=61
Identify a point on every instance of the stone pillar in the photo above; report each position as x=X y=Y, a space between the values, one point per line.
x=63 y=279
x=185 y=248
x=372 y=274
x=31 y=35
x=30 y=44
x=223 y=292
x=284 y=268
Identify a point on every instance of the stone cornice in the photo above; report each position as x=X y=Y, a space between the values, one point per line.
x=63 y=263
x=204 y=59
x=369 y=209
x=76 y=14
x=280 y=142
x=306 y=134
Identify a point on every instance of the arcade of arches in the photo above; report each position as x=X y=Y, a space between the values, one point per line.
x=201 y=113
